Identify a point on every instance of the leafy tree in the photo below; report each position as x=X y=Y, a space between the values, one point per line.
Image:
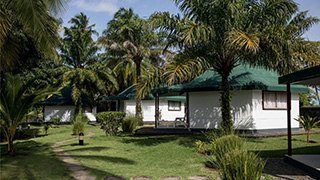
x=128 y=38
x=308 y=123
x=78 y=53
x=15 y=105
x=35 y=19
x=306 y=99
x=224 y=33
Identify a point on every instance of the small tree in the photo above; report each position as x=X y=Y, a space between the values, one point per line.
x=308 y=123
x=15 y=105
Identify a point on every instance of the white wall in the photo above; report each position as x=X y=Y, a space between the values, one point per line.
x=65 y=113
x=148 y=109
x=247 y=112
x=274 y=119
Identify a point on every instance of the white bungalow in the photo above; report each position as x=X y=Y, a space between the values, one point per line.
x=259 y=103
x=63 y=107
x=169 y=107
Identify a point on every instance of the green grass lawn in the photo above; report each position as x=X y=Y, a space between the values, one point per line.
x=126 y=155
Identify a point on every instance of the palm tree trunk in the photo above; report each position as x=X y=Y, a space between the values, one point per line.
x=10 y=146
x=225 y=104
x=308 y=136
x=138 y=100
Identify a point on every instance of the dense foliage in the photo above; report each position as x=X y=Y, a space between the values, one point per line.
x=134 y=46
x=110 y=121
x=78 y=53
x=224 y=33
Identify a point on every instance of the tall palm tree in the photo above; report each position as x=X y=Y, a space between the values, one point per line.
x=35 y=18
x=225 y=33
x=15 y=105
x=128 y=37
x=78 y=53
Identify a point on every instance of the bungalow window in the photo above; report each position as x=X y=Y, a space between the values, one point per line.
x=174 y=105
x=274 y=100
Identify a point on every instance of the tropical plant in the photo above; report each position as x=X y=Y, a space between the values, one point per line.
x=308 y=123
x=130 y=39
x=16 y=104
x=78 y=53
x=225 y=33
x=78 y=123
x=46 y=127
x=234 y=162
x=129 y=124
x=55 y=121
x=34 y=17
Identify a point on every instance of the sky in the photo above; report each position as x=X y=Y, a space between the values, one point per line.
x=101 y=12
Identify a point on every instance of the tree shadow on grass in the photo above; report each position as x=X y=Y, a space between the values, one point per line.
x=82 y=148
x=282 y=152
x=118 y=160
x=149 y=140
x=183 y=140
x=33 y=160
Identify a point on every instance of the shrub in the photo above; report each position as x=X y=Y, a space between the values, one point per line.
x=129 y=124
x=241 y=165
x=78 y=124
x=110 y=121
x=225 y=144
x=46 y=127
x=205 y=147
x=214 y=134
x=78 y=127
x=55 y=121
x=234 y=162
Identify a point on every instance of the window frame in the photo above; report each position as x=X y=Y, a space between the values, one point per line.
x=174 y=109
x=276 y=93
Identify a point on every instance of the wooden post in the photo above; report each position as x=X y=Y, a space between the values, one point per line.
x=118 y=105
x=188 y=119
x=156 y=120
x=289 y=119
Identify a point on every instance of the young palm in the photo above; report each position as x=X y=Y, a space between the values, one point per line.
x=128 y=37
x=224 y=33
x=15 y=105
x=308 y=123
x=78 y=52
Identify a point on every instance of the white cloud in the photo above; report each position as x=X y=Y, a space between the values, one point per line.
x=109 y=6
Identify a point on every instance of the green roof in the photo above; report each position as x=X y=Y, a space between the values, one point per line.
x=310 y=76
x=65 y=98
x=129 y=94
x=242 y=77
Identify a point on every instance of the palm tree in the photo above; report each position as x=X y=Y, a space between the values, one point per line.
x=308 y=123
x=130 y=39
x=224 y=33
x=15 y=105
x=34 y=17
x=78 y=53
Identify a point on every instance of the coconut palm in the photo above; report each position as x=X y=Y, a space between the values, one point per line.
x=78 y=53
x=130 y=39
x=224 y=33
x=34 y=17
x=308 y=123
x=15 y=105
